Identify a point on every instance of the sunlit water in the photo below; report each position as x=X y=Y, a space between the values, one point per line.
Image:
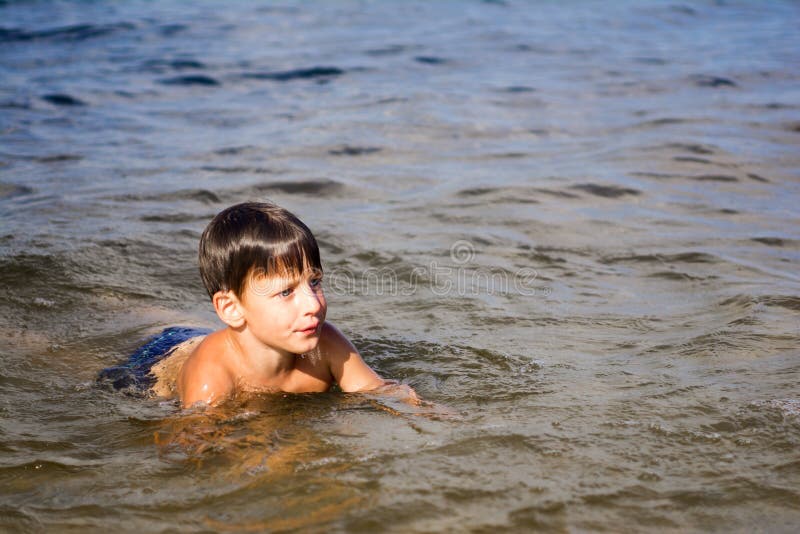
x=573 y=226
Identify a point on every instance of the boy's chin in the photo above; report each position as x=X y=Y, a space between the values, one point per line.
x=310 y=344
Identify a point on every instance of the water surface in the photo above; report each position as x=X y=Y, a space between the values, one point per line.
x=573 y=227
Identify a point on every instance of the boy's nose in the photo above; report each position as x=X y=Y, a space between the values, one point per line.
x=312 y=300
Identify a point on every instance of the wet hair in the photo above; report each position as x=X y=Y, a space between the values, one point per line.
x=254 y=239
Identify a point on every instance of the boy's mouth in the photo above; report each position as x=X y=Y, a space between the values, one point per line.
x=310 y=330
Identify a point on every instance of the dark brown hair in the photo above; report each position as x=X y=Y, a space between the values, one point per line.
x=254 y=238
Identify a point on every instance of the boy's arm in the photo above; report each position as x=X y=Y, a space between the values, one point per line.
x=346 y=365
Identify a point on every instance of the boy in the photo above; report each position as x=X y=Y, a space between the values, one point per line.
x=261 y=266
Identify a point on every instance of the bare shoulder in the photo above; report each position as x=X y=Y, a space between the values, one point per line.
x=345 y=363
x=205 y=375
x=334 y=344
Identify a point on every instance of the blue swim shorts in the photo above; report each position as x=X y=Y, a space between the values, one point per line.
x=134 y=375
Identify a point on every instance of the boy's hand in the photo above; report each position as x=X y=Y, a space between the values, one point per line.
x=402 y=392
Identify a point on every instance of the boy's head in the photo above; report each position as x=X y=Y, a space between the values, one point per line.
x=251 y=239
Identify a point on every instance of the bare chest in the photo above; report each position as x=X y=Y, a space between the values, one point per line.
x=308 y=376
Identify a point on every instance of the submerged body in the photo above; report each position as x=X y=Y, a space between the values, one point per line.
x=261 y=267
x=164 y=365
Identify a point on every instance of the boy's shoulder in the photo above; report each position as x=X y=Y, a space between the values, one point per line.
x=333 y=344
x=206 y=374
x=344 y=362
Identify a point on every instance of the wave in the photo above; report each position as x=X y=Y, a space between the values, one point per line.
x=189 y=80
x=62 y=99
x=73 y=33
x=311 y=73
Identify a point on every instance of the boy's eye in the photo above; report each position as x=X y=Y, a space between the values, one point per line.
x=286 y=292
x=315 y=282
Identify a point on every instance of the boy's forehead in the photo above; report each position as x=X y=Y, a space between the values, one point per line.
x=278 y=279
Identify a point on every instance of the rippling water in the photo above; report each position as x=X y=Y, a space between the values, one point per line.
x=573 y=226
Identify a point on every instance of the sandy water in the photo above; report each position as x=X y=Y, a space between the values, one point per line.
x=572 y=226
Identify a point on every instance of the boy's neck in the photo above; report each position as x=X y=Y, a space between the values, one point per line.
x=257 y=360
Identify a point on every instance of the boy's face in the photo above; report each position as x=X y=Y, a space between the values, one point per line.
x=285 y=313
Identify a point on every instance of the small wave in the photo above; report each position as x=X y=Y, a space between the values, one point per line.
x=651 y=61
x=431 y=60
x=61 y=99
x=665 y=121
x=770 y=241
x=692 y=159
x=347 y=150
x=58 y=158
x=77 y=32
x=296 y=74
x=694 y=148
x=14 y=190
x=548 y=516
x=160 y=65
x=174 y=218
x=390 y=50
x=757 y=178
x=238 y=170
x=555 y=193
x=233 y=150
x=704 y=80
x=515 y=89
x=11 y=104
x=200 y=195
x=17 y=520
x=194 y=79
x=45 y=467
x=477 y=191
x=606 y=191
x=715 y=178
x=519 y=195
x=507 y=195
x=781 y=301
x=678 y=276
x=169 y=30
x=656 y=175
x=775 y=106
x=682 y=257
x=307 y=187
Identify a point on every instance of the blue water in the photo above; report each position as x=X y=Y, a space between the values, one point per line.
x=572 y=226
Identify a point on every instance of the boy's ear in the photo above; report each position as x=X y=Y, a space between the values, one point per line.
x=228 y=308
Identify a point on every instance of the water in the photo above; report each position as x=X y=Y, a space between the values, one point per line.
x=572 y=226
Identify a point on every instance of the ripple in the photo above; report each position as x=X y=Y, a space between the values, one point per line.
x=160 y=65
x=238 y=170
x=198 y=195
x=77 y=32
x=312 y=73
x=347 y=150
x=715 y=82
x=606 y=191
x=770 y=241
x=14 y=190
x=715 y=178
x=190 y=80
x=61 y=99
x=430 y=60
x=303 y=187
x=660 y=259
x=58 y=158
